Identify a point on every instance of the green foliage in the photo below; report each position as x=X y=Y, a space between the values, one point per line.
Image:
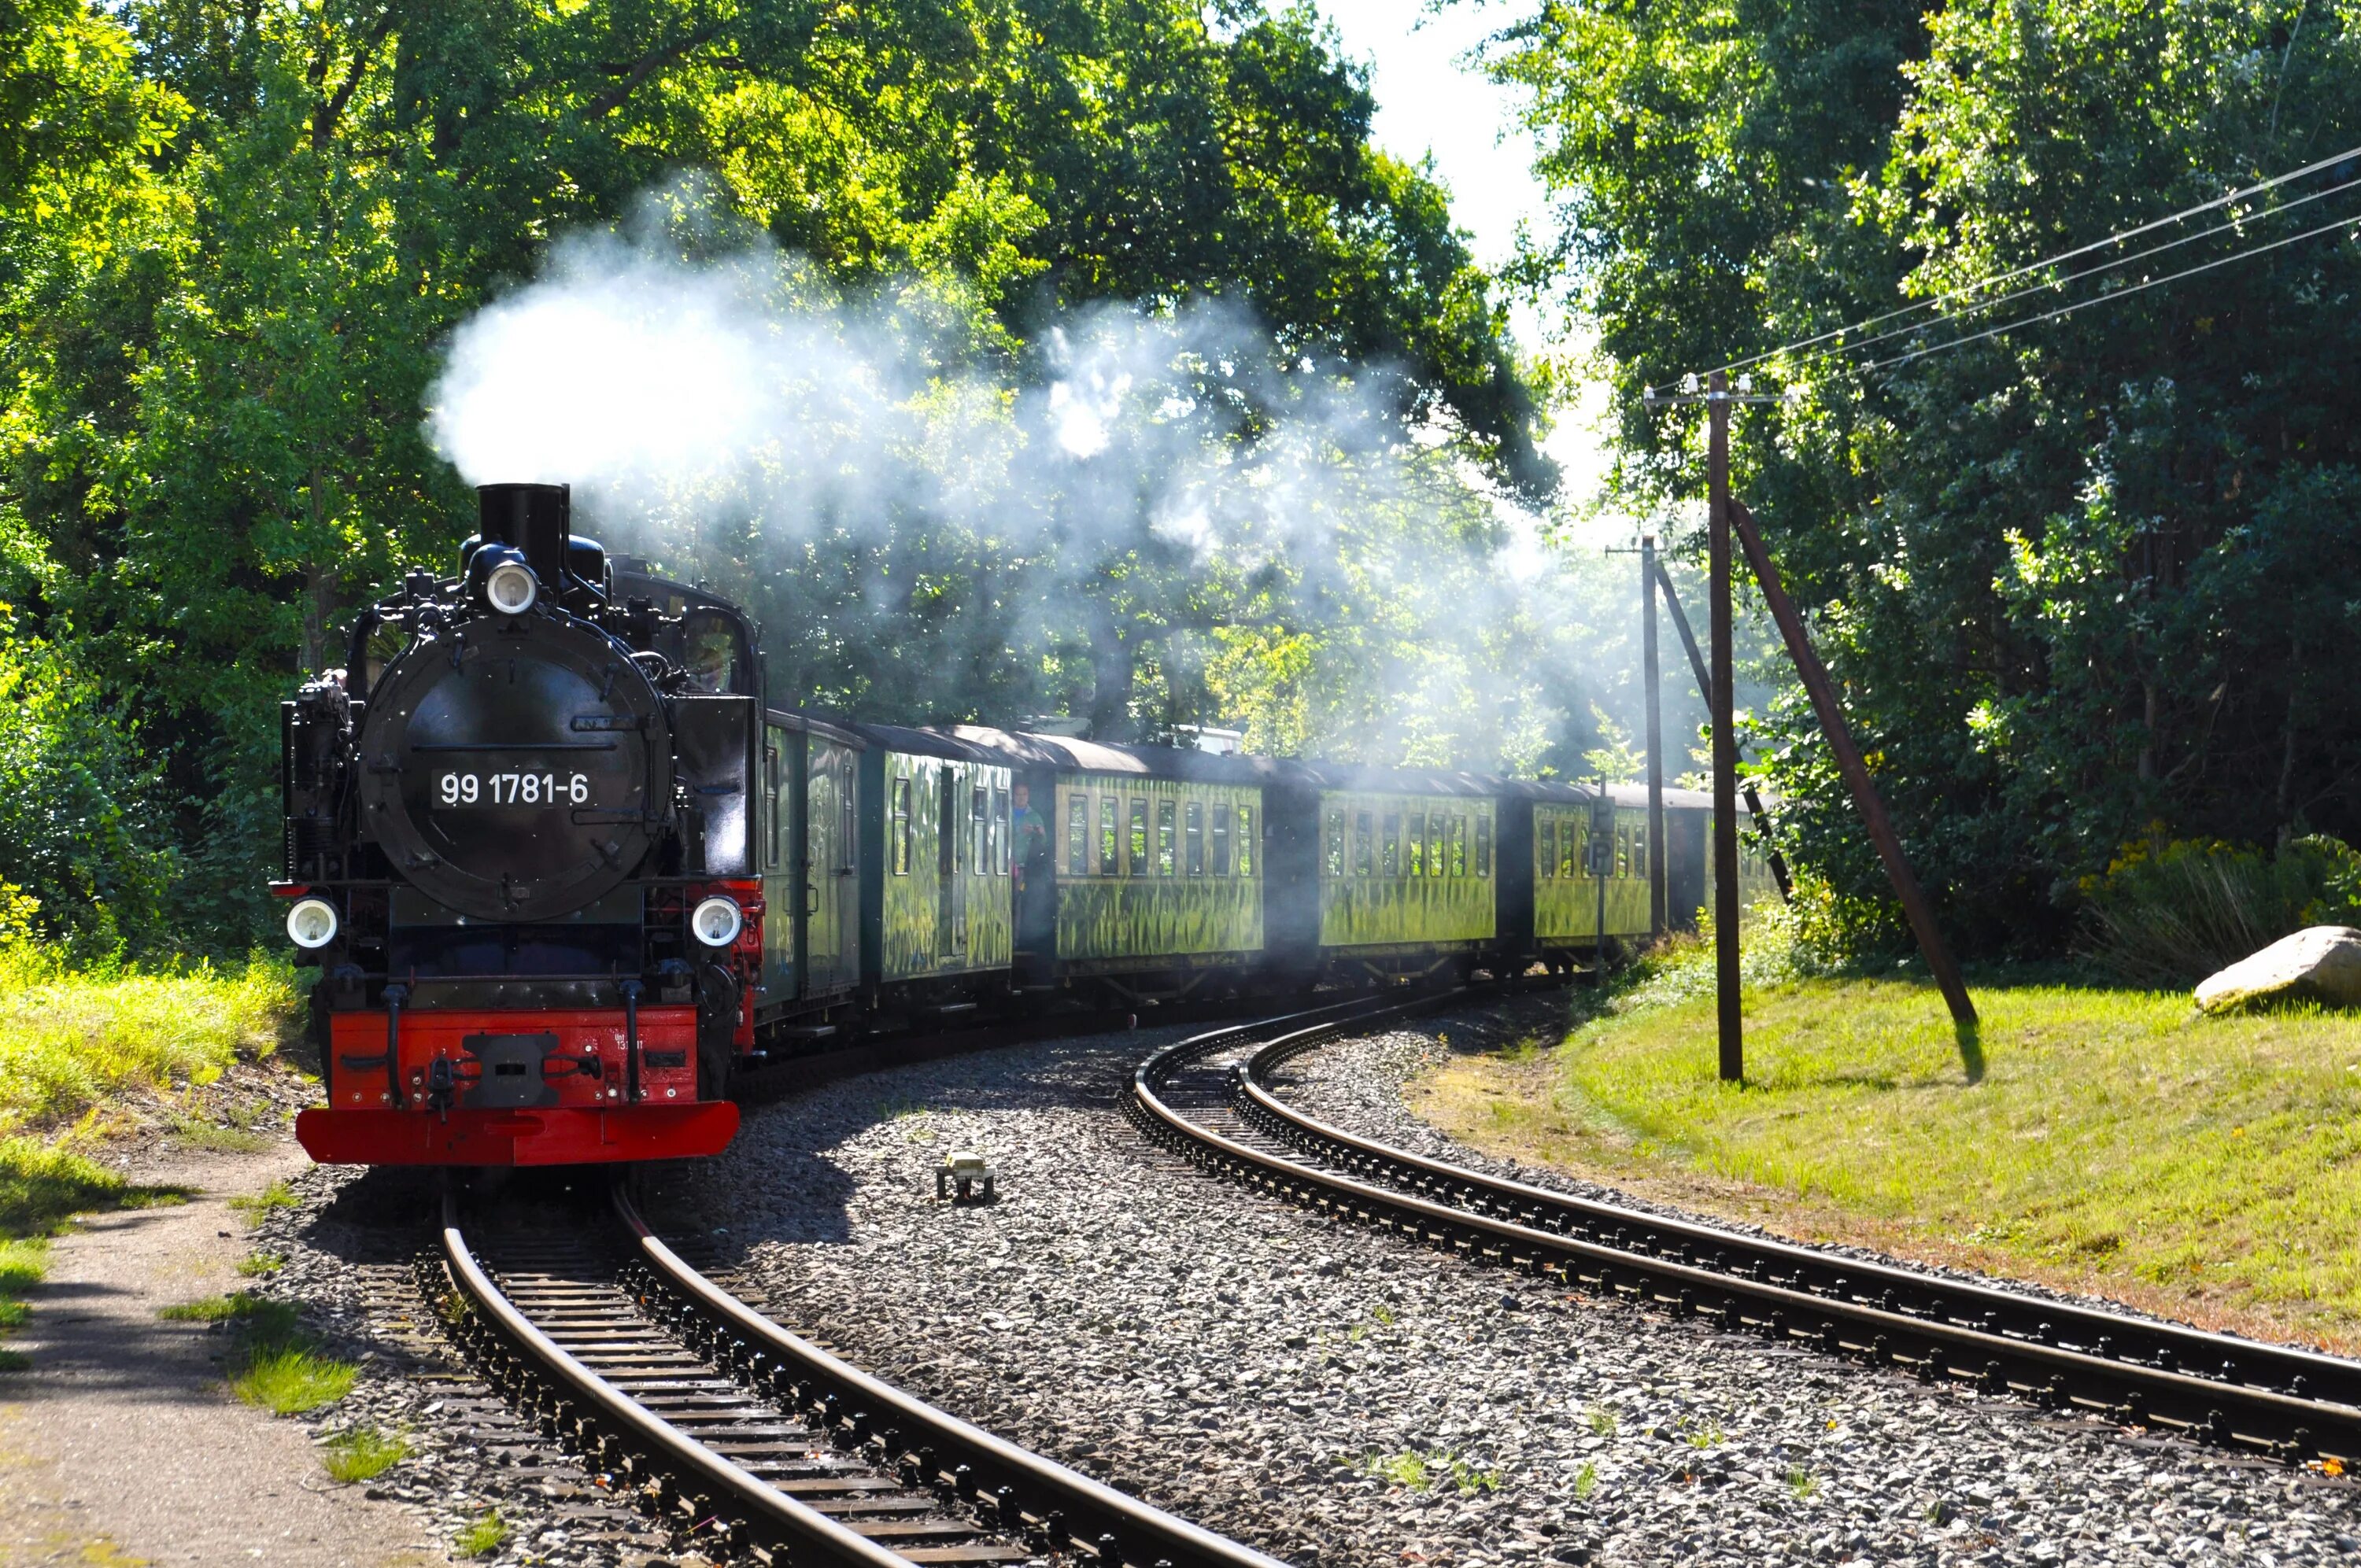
x=256 y=1206
x=482 y=1537
x=272 y=1363
x=2071 y=580
x=364 y=1454
x=85 y=852
x=2108 y=1139
x=69 y=1038
x=232 y=240
x=288 y=1380
x=2170 y=915
x=40 y=1185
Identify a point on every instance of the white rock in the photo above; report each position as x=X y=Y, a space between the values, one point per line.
x=2320 y=963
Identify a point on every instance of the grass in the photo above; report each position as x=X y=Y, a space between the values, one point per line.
x=1585 y=1480
x=255 y=1264
x=364 y=1454
x=256 y=1206
x=289 y=1381
x=2096 y=1138
x=41 y=1187
x=273 y=1363
x=482 y=1538
x=70 y=1041
x=1802 y=1485
x=1420 y=1471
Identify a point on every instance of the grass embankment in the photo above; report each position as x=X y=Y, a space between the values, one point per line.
x=2102 y=1139
x=76 y=1048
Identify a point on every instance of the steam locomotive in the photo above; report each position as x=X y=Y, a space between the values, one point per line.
x=564 y=873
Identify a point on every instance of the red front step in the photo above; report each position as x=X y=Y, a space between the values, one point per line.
x=539 y=1135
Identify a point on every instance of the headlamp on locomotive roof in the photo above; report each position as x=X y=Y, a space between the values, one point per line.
x=716 y=921
x=311 y=923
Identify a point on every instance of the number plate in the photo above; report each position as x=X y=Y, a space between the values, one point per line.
x=461 y=789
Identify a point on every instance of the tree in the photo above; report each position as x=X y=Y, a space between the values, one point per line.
x=2075 y=580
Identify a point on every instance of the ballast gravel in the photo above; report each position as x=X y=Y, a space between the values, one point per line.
x=1336 y=1397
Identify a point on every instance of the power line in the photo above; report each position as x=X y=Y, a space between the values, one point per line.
x=2352 y=220
x=2057 y=283
x=1971 y=289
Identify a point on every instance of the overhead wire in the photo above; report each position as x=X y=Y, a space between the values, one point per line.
x=1970 y=290
x=2056 y=284
x=2351 y=220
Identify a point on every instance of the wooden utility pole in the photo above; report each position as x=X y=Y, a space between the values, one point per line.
x=1658 y=897
x=1721 y=703
x=1822 y=691
x=1761 y=818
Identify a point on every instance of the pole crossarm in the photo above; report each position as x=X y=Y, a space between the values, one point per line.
x=1916 y=906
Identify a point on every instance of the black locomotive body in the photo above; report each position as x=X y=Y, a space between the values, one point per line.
x=520 y=848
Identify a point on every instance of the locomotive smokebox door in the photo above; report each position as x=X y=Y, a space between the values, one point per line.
x=713 y=737
x=511 y=1074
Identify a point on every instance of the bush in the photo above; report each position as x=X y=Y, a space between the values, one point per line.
x=2173 y=915
x=82 y=834
x=68 y=1039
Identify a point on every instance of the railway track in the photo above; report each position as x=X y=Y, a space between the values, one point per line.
x=1208 y=1099
x=749 y=1441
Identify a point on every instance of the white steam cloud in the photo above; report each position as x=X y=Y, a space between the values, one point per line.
x=740 y=419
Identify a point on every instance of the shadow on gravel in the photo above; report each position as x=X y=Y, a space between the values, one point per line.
x=783 y=1144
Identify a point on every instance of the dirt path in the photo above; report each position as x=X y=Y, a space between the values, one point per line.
x=121 y=1446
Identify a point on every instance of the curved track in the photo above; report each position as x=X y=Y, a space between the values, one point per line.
x=748 y=1440
x=1206 y=1098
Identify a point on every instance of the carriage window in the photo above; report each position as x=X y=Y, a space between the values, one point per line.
x=1195 y=838
x=1078 y=835
x=1166 y=812
x=1138 y=862
x=978 y=840
x=1483 y=846
x=1000 y=836
x=1459 y=846
x=1639 y=854
x=1245 y=842
x=1361 y=843
x=1574 y=852
x=1389 y=844
x=1414 y=851
x=1110 y=836
x=848 y=817
x=1335 y=843
x=1549 y=847
x=1622 y=851
x=1438 y=845
x=901 y=825
x=1221 y=840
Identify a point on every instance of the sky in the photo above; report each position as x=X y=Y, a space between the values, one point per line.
x=1431 y=103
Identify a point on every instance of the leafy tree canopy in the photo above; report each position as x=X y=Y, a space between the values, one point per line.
x=2081 y=581
x=236 y=237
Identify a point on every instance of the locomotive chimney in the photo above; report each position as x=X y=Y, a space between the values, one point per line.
x=535 y=519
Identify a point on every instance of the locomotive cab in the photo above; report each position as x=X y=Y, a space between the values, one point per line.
x=520 y=850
